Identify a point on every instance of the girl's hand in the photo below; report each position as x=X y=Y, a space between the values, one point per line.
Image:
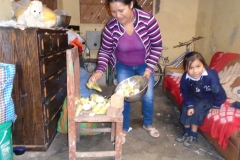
x=214 y=111
x=95 y=76
x=147 y=74
x=190 y=112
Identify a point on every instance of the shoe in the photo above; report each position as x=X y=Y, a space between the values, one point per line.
x=182 y=138
x=190 y=142
x=152 y=131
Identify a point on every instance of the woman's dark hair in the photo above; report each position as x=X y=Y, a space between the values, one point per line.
x=127 y=2
x=191 y=57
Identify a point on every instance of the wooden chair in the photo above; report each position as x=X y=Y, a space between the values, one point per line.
x=73 y=90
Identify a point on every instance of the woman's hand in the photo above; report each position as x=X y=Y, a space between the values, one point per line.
x=190 y=112
x=147 y=74
x=95 y=76
x=214 y=110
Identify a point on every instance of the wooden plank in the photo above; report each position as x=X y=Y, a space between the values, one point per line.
x=95 y=11
x=33 y=147
x=118 y=141
x=72 y=89
x=50 y=4
x=93 y=2
x=95 y=154
x=95 y=130
x=97 y=118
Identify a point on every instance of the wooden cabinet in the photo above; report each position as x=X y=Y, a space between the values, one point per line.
x=39 y=83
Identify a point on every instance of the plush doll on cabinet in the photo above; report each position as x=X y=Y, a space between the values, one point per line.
x=33 y=16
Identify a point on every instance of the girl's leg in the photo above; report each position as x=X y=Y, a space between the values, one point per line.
x=124 y=72
x=192 y=140
x=187 y=129
x=185 y=135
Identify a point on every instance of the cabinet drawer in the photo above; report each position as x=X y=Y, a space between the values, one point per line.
x=54 y=83
x=62 y=41
x=50 y=43
x=53 y=108
x=55 y=103
x=52 y=65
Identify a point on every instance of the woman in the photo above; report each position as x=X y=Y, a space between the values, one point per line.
x=131 y=42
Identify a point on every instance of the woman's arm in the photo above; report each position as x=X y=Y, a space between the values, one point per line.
x=105 y=50
x=155 y=44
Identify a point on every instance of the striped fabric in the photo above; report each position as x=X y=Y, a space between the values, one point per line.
x=7 y=72
x=147 y=29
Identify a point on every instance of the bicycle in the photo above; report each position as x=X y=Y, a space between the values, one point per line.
x=87 y=62
x=164 y=61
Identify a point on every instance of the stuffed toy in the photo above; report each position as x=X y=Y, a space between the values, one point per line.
x=33 y=16
x=36 y=15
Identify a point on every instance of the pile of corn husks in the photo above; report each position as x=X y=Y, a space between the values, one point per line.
x=94 y=104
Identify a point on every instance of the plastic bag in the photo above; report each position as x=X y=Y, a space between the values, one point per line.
x=7 y=72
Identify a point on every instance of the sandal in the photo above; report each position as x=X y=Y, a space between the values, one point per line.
x=152 y=131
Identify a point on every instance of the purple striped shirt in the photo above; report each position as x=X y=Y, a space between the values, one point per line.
x=130 y=50
x=146 y=27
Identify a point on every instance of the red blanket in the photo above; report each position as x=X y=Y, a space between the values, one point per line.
x=221 y=125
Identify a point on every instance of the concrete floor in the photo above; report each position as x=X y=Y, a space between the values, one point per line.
x=139 y=144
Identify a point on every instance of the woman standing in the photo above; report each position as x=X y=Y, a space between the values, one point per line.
x=131 y=42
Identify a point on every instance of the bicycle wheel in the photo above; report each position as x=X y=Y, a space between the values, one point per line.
x=157 y=75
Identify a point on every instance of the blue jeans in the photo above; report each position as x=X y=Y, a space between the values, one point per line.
x=124 y=72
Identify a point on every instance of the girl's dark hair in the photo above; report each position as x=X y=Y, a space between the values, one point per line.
x=127 y=2
x=191 y=57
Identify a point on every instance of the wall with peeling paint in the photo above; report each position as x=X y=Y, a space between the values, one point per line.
x=177 y=20
x=218 y=21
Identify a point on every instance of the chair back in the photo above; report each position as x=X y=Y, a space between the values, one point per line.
x=73 y=80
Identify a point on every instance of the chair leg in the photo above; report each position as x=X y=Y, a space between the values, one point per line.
x=72 y=140
x=77 y=132
x=118 y=141
x=113 y=131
